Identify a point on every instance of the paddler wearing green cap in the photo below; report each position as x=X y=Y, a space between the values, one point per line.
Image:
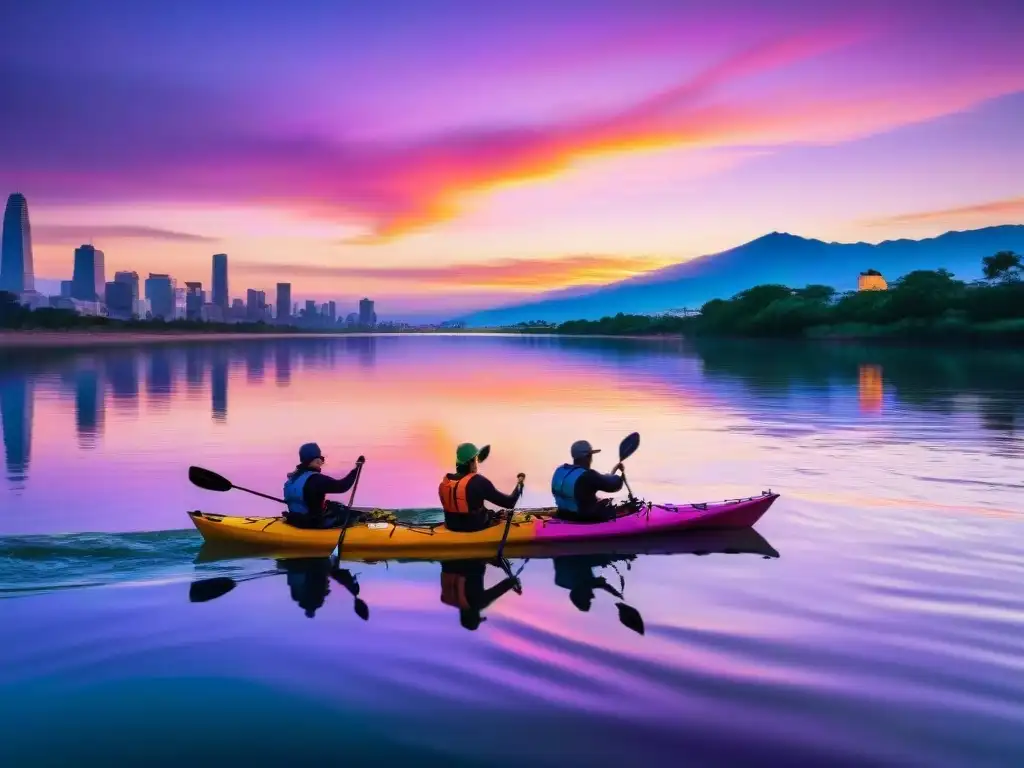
x=464 y=492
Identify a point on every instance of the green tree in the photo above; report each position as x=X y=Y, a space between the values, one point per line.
x=1005 y=266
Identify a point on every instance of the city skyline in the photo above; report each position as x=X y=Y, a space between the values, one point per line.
x=567 y=144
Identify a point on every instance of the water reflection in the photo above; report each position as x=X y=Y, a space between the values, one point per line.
x=462 y=588
x=778 y=386
x=16 y=404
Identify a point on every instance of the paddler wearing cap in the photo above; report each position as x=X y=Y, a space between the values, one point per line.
x=464 y=492
x=575 y=486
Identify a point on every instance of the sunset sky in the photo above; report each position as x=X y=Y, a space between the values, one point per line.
x=441 y=155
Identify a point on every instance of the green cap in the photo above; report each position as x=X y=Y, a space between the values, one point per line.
x=466 y=452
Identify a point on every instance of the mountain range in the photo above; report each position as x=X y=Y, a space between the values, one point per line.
x=776 y=258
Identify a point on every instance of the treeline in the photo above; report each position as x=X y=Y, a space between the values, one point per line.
x=922 y=304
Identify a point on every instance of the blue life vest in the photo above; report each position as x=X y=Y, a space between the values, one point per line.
x=563 y=486
x=293 y=488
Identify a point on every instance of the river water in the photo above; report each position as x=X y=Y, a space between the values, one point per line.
x=876 y=615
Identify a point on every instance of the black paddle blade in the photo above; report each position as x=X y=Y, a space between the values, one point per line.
x=209 y=589
x=208 y=480
x=630 y=617
x=362 y=610
x=628 y=446
x=484 y=453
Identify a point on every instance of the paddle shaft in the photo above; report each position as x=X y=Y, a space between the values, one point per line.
x=508 y=525
x=257 y=493
x=348 y=513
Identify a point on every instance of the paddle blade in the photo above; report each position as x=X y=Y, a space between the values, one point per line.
x=209 y=589
x=630 y=617
x=362 y=609
x=208 y=480
x=628 y=446
x=484 y=453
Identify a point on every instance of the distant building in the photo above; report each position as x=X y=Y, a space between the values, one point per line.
x=140 y=306
x=119 y=301
x=212 y=314
x=367 y=317
x=180 y=303
x=81 y=307
x=65 y=289
x=220 y=281
x=17 y=273
x=284 y=302
x=352 y=320
x=871 y=280
x=194 y=300
x=332 y=312
x=310 y=310
x=88 y=283
x=255 y=305
x=237 y=312
x=160 y=291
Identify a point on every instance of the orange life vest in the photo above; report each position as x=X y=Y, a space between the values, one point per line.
x=453 y=495
x=453 y=590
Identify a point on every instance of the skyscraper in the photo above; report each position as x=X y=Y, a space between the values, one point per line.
x=160 y=291
x=194 y=301
x=367 y=317
x=131 y=279
x=65 y=289
x=118 y=298
x=89 y=281
x=16 y=269
x=284 y=302
x=255 y=305
x=332 y=312
x=220 y=281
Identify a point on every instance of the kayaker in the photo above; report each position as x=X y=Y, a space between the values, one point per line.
x=306 y=489
x=462 y=587
x=464 y=492
x=575 y=486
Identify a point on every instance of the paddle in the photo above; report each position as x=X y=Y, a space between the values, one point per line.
x=508 y=519
x=211 y=481
x=630 y=618
x=344 y=526
x=627 y=448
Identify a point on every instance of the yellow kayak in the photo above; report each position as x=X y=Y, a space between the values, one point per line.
x=530 y=530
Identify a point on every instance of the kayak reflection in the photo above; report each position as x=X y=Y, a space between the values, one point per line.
x=462 y=587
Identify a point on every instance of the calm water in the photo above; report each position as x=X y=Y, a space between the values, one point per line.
x=889 y=630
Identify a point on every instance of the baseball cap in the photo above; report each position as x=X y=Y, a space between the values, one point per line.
x=581 y=449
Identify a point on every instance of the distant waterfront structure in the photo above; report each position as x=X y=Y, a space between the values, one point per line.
x=119 y=301
x=220 y=281
x=17 y=273
x=237 y=311
x=180 y=304
x=255 y=305
x=871 y=280
x=193 y=301
x=160 y=292
x=131 y=278
x=310 y=309
x=367 y=317
x=332 y=312
x=284 y=302
x=65 y=289
x=352 y=319
x=88 y=282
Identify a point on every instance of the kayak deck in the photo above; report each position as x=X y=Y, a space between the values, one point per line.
x=380 y=540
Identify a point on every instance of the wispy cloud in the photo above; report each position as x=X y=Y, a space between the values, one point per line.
x=532 y=275
x=1010 y=210
x=60 y=234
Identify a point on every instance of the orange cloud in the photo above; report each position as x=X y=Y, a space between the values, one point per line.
x=1011 y=208
x=508 y=274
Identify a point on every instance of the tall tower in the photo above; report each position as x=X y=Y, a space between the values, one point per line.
x=17 y=273
x=284 y=302
x=220 y=281
x=88 y=281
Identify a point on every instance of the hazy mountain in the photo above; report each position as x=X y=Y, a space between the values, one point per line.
x=775 y=258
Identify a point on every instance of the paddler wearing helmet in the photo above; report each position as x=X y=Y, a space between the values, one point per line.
x=464 y=492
